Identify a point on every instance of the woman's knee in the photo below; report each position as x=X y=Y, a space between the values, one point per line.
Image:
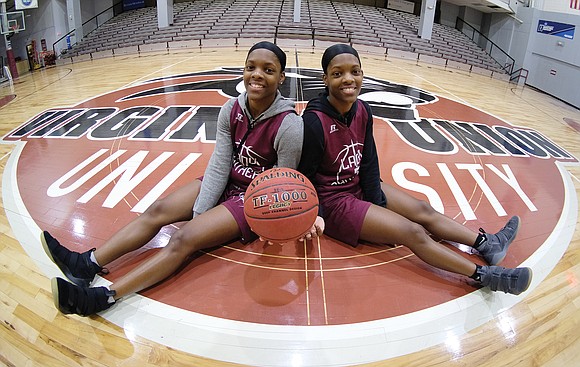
x=425 y=214
x=156 y=208
x=156 y=211
x=181 y=244
x=425 y=209
x=416 y=234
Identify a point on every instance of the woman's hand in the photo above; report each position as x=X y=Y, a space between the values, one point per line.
x=316 y=230
x=269 y=243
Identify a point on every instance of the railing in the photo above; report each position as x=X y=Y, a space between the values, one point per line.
x=518 y=74
x=298 y=32
x=493 y=50
x=92 y=23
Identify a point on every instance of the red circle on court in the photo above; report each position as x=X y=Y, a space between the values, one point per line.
x=135 y=144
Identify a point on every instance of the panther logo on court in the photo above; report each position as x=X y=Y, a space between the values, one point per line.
x=84 y=171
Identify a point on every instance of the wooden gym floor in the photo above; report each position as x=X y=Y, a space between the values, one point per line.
x=319 y=304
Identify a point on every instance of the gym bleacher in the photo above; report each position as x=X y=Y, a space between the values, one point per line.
x=231 y=22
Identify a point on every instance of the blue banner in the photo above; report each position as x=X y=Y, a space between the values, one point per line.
x=133 y=4
x=556 y=29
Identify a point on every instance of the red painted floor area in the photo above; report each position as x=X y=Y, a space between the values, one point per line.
x=6 y=99
x=444 y=158
x=573 y=124
x=294 y=284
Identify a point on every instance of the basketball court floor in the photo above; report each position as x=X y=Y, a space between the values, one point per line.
x=88 y=146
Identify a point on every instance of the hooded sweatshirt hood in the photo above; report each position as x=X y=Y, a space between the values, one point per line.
x=321 y=104
x=279 y=105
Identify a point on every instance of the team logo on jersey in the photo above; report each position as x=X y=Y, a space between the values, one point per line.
x=92 y=167
x=349 y=163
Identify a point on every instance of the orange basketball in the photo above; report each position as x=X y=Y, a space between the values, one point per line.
x=280 y=205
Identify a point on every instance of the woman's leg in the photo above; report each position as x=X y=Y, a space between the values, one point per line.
x=176 y=207
x=80 y=268
x=210 y=229
x=385 y=226
x=492 y=247
x=421 y=212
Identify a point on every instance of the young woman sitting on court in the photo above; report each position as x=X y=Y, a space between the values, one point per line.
x=259 y=118
x=356 y=205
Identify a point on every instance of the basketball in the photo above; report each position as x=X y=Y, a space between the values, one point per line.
x=280 y=205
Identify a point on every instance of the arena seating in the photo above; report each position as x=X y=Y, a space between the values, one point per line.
x=229 y=22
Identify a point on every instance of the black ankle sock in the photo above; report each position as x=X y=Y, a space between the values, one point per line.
x=476 y=275
x=480 y=240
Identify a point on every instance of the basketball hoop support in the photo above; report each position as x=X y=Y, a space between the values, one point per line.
x=10 y=23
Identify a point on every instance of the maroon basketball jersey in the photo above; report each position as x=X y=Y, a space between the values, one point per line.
x=254 y=150
x=339 y=168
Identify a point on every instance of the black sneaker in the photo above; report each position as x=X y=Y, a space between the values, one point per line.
x=494 y=248
x=497 y=278
x=76 y=266
x=70 y=298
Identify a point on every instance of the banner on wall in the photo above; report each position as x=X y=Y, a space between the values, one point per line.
x=25 y=4
x=575 y=4
x=133 y=4
x=556 y=29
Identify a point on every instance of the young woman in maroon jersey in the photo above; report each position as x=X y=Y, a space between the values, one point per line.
x=255 y=131
x=339 y=156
